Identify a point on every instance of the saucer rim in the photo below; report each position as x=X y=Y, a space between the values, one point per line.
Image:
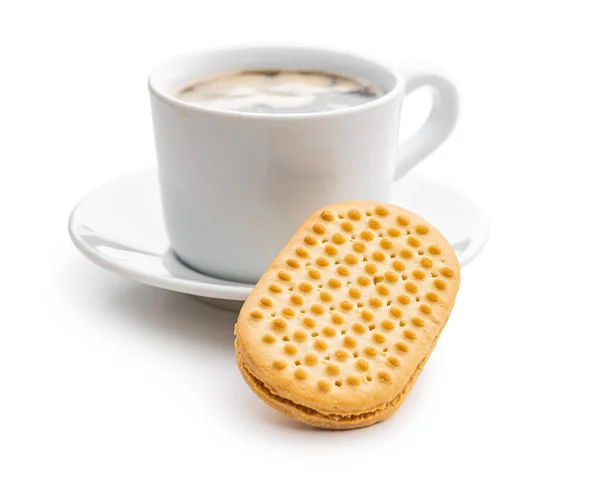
x=226 y=290
x=180 y=285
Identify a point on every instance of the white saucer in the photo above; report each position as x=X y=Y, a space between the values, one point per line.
x=119 y=226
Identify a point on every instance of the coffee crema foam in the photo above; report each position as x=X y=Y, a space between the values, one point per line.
x=279 y=91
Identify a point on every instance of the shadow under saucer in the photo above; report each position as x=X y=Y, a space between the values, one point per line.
x=227 y=305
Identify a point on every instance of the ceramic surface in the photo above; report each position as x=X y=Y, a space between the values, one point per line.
x=229 y=179
x=119 y=226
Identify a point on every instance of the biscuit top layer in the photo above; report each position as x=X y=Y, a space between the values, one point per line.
x=348 y=309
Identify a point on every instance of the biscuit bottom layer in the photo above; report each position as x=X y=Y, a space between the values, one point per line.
x=260 y=386
x=352 y=420
x=367 y=416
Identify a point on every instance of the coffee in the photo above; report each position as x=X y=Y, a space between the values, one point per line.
x=279 y=91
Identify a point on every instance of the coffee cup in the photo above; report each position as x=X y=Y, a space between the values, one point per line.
x=236 y=183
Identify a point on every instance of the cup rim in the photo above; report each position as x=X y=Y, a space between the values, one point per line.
x=396 y=91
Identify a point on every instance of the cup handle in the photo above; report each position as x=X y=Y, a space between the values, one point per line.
x=438 y=126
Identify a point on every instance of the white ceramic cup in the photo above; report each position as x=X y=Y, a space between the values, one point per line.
x=235 y=186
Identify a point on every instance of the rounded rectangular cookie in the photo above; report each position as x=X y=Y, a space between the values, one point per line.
x=338 y=328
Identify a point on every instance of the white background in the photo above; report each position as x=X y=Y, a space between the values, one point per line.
x=106 y=381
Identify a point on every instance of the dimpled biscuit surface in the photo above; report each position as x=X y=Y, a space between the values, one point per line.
x=339 y=327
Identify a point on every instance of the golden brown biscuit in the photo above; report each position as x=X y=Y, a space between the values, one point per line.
x=339 y=327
